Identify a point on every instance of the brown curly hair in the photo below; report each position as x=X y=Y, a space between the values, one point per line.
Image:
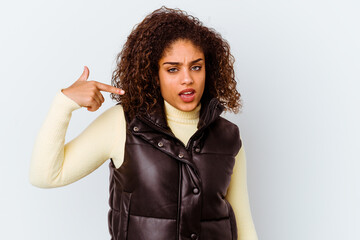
x=137 y=63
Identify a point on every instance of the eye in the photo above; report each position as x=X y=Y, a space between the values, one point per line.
x=196 y=68
x=172 y=70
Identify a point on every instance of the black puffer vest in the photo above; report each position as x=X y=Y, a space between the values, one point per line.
x=167 y=191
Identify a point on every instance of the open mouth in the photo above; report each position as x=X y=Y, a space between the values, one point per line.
x=187 y=95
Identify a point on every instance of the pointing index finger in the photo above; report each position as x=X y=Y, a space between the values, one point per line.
x=109 y=88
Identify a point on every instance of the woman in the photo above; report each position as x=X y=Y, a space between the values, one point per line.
x=177 y=168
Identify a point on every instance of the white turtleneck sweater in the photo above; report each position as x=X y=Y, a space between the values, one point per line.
x=56 y=164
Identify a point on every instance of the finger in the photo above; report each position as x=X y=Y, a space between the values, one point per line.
x=100 y=96
x=92 y=99
x=109 y=88
x=92 y=108
x=94 y=104
x=85 y=75
x=97 y=100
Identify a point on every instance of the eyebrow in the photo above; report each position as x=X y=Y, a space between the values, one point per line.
x=177 y=63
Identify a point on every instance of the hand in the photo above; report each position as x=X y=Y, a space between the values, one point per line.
x=87 y=93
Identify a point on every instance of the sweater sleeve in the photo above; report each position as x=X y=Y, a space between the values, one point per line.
x=237 y=196
x=55 y=163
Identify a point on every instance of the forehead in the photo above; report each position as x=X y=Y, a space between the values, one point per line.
x=182 y=48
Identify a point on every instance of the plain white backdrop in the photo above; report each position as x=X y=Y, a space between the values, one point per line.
x=298 y=70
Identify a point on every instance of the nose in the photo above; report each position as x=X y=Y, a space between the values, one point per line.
x=186 y=78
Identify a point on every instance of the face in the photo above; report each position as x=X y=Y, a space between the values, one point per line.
x=182 y=75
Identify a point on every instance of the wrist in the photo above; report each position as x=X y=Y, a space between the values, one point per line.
x=67 y=100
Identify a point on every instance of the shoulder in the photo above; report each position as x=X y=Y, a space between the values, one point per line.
x=114 y=113
x=110 y=120
x=226 y=122
x=229 y=127
x=223 y=136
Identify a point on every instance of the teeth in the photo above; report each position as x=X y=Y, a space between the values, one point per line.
x=187 y=93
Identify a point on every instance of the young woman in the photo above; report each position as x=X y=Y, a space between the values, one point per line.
x=177 y=168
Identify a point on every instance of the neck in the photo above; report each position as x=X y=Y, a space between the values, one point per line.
x=176 y=115
x=182 y=124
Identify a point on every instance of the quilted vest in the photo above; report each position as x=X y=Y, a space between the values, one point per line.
x=165 y=190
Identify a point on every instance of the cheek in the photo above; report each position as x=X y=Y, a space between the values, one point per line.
x=165 y=83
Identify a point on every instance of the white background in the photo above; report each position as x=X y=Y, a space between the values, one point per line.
x=297 y=64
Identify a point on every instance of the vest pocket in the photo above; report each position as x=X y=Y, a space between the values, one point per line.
x=124 y=214
x=232 y=221
x=217 y=229
x=119 y=218
x=149 y=228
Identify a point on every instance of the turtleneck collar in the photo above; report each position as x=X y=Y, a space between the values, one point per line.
x=210 y=110
x=175 y=115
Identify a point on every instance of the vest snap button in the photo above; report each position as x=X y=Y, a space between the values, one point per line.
x=160 y=144
x=181 y=155
x=195 y=190
x=194 y=236
x=197 y=149
x=136 y=129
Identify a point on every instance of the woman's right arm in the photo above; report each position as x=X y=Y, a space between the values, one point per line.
x=55 y=163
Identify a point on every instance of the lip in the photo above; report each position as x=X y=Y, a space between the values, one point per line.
x=187 y=90
x=187 y=98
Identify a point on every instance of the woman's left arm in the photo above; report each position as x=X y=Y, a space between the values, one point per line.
x=237 y=196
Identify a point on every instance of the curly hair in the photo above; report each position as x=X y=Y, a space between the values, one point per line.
x=137 y=64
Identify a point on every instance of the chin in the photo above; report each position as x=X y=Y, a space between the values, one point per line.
x=187 y=107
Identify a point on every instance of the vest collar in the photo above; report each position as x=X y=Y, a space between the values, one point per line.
x=210 y=111
x=150 y=126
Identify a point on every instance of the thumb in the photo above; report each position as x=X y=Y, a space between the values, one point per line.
x=85 y=75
